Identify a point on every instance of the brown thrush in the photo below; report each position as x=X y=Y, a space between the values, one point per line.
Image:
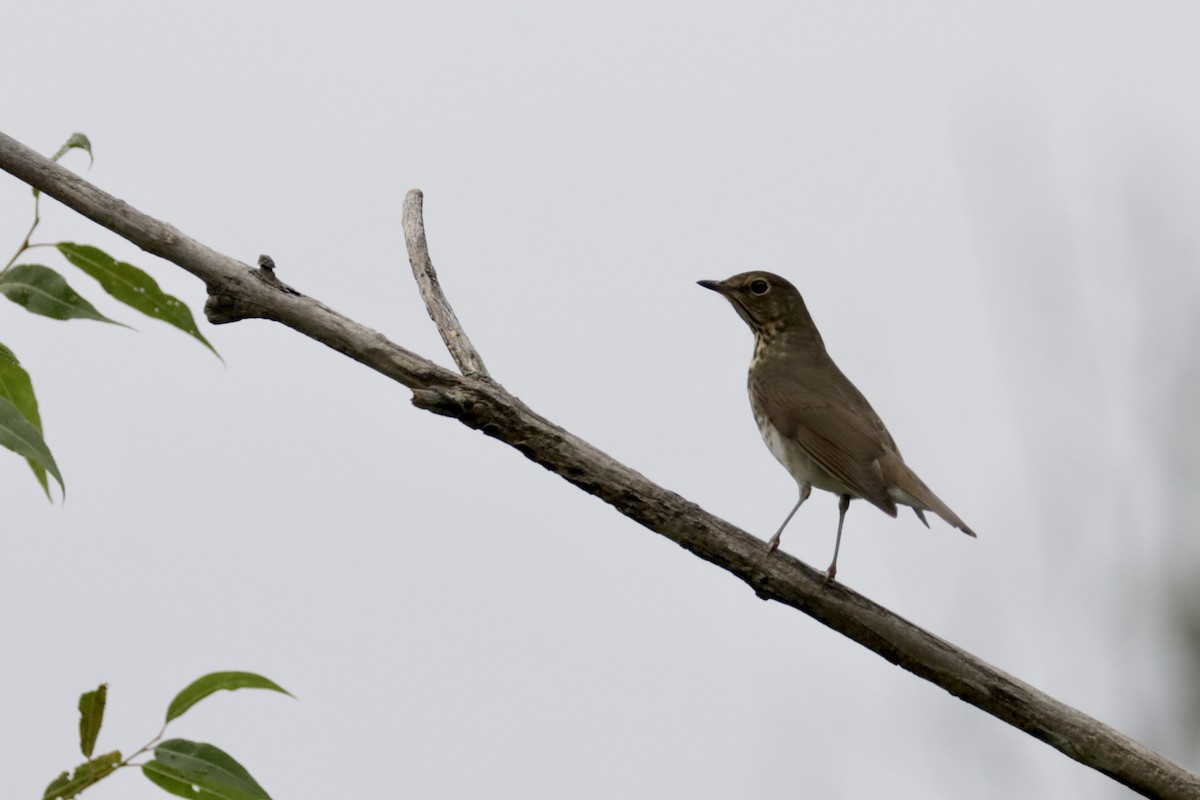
x=810 y=415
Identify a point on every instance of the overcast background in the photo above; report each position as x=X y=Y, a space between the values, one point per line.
x=991 y=210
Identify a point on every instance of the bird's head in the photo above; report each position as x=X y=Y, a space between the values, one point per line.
x=769 y=304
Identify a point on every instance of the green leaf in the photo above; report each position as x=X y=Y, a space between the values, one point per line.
x=91 y=715
x=77 y=141
x=43 y=291
x=133 y=287
x=23 y=439
x=201 y=771
x=86 y=774
x=201 y=688
x=17 y=388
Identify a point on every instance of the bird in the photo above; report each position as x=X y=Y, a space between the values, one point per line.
x=812 y=418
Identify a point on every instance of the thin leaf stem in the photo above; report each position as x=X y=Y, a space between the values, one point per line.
x=37 y=218
x=147 y=747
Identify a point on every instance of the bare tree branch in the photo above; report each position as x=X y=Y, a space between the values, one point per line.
x=460 y=347
x=237 y=291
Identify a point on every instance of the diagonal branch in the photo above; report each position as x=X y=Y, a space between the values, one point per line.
x=239 y=291
x=460 y=347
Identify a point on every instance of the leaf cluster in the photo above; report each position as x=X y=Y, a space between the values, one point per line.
x=181 y=767
x=42 y=290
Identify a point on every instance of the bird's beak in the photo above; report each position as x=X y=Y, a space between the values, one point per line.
x=717 y=286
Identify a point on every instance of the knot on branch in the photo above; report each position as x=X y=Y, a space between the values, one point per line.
x=266 y=274
x=221 y=307
x=439 y=401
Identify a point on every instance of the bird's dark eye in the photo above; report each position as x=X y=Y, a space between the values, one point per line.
x=759 y=286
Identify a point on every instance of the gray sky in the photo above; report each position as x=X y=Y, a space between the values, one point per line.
x=991 y=213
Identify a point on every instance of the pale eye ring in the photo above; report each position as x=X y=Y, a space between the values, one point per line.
x=759 y=286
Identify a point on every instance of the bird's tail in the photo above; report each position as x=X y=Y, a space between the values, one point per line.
x=906 y=488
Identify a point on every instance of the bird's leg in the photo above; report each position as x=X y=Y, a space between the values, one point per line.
x=843 y=504
x=805 y=491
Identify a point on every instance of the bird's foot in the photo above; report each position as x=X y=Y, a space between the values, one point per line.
x=829 y=574
x=772 y=544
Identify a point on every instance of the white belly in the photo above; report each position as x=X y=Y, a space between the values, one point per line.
x=797 y=462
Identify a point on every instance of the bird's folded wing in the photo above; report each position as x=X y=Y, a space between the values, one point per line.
x=842 y=441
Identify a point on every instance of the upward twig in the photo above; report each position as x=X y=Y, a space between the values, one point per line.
x=484 y=406
x=460 y=347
